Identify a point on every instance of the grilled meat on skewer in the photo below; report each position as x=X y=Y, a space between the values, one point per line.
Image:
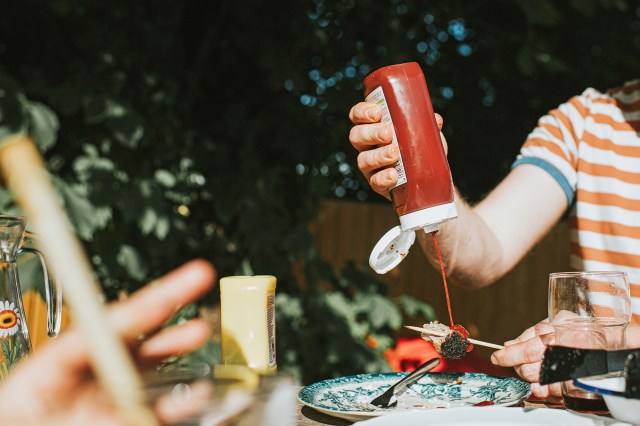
x=450 y=342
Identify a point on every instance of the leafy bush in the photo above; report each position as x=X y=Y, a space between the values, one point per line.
x=151 y=178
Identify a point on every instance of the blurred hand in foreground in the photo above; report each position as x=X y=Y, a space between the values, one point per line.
x=56 y=386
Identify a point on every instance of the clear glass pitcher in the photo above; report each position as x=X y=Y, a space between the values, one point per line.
x=14 y=334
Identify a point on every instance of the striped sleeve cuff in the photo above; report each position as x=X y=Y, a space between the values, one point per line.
x=552 y=170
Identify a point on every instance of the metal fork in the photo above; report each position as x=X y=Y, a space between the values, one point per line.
x=388 y=400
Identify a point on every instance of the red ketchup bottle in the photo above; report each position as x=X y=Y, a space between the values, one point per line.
x=423 y=196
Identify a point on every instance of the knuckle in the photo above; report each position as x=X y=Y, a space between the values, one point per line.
x=381 y=157
x=533 y=351
x=529 y=372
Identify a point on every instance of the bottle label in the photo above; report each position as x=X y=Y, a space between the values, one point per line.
x=271 y=328
x=377 y=97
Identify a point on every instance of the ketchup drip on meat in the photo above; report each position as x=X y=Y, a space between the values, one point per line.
x=456 y=327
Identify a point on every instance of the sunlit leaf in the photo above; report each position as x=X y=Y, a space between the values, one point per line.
x=165 y=178
x=382 y=312
x=163 y=226
x=414 y=307
x=132 y=262
x=43 y=125
x=148 y=220
x=85 y=217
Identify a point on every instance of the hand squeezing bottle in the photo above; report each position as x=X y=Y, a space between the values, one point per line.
x=423 y=197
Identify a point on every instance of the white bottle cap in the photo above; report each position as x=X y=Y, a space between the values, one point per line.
x=394 y=246
x=391 y=249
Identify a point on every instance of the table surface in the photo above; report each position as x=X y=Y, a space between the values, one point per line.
x=307 y=416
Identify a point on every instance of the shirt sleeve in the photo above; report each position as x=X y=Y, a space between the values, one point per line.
x=553 y=144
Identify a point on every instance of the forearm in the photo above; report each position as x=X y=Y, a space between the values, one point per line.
x=490 y=238
x=471 y=253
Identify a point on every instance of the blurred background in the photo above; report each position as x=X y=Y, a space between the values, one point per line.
x=181 y=129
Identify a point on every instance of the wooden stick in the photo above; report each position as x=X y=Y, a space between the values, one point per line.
x=439 y=334
x=25 y=175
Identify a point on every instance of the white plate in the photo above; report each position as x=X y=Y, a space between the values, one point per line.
x=485 y=416
x=349 y=397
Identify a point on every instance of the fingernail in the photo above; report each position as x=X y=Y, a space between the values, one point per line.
x=510 y=342
x=494 y=359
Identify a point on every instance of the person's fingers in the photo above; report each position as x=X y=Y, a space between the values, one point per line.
x=383 y=181
x=366 y=136
x=365 y=112
x=148 y=308
x=56 y=368
x=550 y=393
x=174 y=341
x=540 y=391
x=530 y=372
x=444 y=144
x=543 y=327
x=439 y=120
x=555 y=393
x=529 y=351
x=376 y=159
x=144 y=312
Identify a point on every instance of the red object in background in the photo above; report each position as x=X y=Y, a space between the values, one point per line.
x=410 y=352
x=428 y=178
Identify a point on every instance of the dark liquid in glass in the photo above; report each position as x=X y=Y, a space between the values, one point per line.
x=585 y=402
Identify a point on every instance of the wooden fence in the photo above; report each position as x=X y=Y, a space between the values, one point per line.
x=349 y=230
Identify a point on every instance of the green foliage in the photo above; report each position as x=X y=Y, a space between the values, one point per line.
x=343 y=331
x=181 y=129
x=12 y=353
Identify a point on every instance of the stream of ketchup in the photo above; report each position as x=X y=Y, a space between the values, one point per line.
x=457 y=327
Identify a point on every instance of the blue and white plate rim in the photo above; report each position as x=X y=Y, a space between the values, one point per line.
x=305 y=395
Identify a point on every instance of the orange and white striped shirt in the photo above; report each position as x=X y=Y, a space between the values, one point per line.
x=591 y=146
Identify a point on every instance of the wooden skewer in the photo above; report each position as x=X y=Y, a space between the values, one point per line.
x=24 y=172
x=439 y=334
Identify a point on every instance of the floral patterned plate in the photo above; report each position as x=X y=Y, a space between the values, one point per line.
x=348 y=397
